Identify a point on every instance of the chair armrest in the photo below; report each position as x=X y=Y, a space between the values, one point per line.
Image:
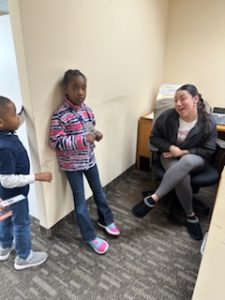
x=153 y=148
x=218 y=159
x=220 y=143
x=155 y=157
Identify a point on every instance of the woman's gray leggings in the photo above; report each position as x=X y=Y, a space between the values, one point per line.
x=177 y=177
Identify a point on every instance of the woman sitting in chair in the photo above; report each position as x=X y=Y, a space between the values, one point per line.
x=186 y=138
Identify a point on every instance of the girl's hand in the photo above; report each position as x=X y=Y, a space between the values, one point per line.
x=90 y=138
x=98 y=135
x=43 y=176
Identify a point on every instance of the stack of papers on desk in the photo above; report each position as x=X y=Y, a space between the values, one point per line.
x=167 y=90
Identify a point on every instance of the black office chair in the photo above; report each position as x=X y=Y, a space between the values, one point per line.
x=206 y=177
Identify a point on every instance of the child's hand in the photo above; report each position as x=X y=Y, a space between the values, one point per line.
x=43 y=176
x=90 y=138
x=1 y=205
x=98 y=135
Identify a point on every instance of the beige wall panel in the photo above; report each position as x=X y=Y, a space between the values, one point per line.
x=119 y=45
x=195 y=51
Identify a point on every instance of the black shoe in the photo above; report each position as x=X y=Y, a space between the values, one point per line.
x=142 y=208
x=194 y=228
x=147 y=193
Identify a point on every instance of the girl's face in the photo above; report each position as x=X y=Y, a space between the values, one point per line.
x=186 y=105
x=76 y=90
x=10 y=120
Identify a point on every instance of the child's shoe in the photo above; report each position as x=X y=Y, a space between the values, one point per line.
x=99 y=245
x=111 y=229
x=5 y=252
x=34 y=259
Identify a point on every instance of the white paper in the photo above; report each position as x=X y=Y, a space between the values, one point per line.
x=13 y=200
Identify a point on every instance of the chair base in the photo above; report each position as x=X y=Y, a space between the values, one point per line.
x=177 y=215
x=200 y=207
x=177 y=219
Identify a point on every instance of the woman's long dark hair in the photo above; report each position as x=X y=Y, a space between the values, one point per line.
x=202 y=113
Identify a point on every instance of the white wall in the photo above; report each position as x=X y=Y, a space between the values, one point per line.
x=119 y=45
x=10 y=87
x=195 y=48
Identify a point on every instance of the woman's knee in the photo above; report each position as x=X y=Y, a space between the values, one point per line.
x=191 y=161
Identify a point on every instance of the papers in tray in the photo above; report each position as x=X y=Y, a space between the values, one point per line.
x=150 y=116
x=167 y=90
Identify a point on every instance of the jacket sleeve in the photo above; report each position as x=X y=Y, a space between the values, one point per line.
x=59 y=140
x=208 y=147
x=16 y=180
x=159 y=136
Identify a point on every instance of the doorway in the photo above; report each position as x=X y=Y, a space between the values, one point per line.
x=10 y=87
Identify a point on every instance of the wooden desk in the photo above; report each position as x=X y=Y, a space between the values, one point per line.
x=144 y=131
x=210 y=281
x=220 y=128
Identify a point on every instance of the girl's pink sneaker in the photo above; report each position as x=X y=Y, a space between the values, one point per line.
x=99 y=245
x=111 y=229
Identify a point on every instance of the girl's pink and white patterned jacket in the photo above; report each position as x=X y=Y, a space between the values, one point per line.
x=68 y=136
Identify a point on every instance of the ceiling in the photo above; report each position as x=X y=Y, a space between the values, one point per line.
x=4 y=7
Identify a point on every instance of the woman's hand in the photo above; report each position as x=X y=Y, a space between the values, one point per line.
x=167 y=155
x=185 y=152
x=175 y=151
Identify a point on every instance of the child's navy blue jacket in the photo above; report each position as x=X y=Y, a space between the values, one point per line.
x=13 y=160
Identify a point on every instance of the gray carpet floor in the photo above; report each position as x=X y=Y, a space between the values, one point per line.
x=152 y=259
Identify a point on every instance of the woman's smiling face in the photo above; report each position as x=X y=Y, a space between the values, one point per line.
x=186 y=104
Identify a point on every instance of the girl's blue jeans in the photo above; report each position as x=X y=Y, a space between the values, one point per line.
x=105 y=216
x=17 y=227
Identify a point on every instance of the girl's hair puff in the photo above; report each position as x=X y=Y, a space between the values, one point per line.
x=69 y=74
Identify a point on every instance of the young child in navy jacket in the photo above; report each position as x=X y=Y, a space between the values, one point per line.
x=15 y=177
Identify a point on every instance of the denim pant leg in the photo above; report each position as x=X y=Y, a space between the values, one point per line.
x=81 y=212
x=104 y=212
x=6 y=233
x=22 y=228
